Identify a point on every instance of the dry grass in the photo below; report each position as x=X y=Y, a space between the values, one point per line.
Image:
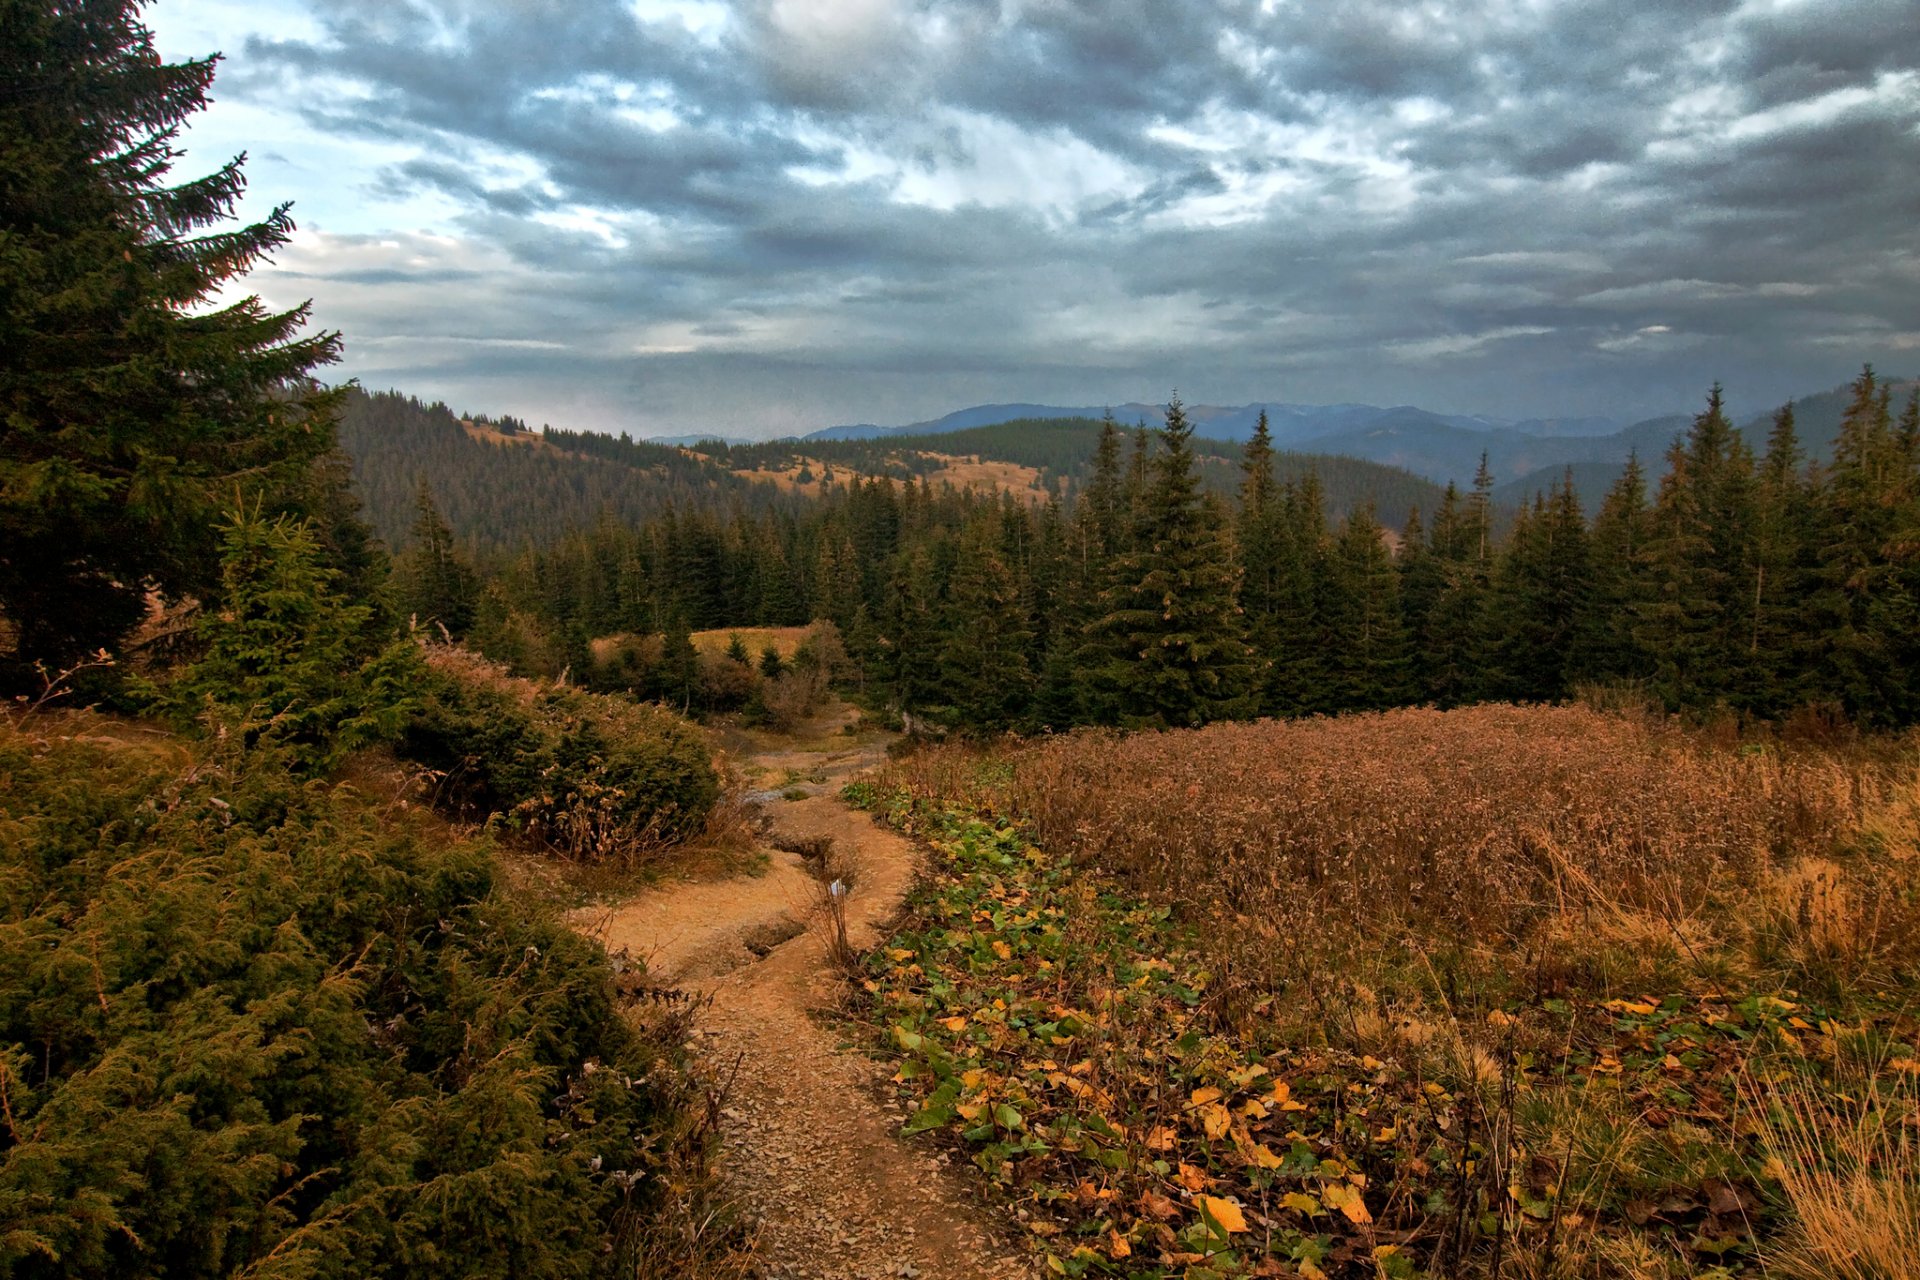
x=1552 y=913
x=785 y=641
x=1853 y=1179
x=1503 y=833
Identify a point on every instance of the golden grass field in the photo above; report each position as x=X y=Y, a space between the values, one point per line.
x=1530 y=992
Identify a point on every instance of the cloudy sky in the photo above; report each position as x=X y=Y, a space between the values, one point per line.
x=763 y=216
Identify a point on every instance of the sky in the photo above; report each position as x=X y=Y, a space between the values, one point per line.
x=760 y=217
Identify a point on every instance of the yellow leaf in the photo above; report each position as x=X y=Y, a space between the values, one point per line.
x=1117 y=1246
x=1162 y=1139
x=1215 y=1120
x=958 y=1023
x=899 y=953
x=1640 y=1007
x=1906 y=1065
x=1311 y=1272
x=1338 y=1195
x=1263 y=1156
x=1224 y=1213
x=1205 y=1094
x=1300 y=1203
x=1002 y=950
x=1253 y=1110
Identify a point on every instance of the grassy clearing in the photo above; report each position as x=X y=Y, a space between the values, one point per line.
x=1529 y=993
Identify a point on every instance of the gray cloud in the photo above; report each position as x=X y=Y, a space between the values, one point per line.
x=825 y=210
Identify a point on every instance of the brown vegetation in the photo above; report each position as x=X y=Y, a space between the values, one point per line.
x=1585 y=993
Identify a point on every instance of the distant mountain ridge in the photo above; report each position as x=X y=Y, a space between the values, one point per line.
x=1524 y=455
x=1290 y=423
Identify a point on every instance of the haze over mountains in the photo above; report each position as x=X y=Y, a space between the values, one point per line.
x=1523 y=455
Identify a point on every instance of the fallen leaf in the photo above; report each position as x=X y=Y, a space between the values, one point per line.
x=1155 y=1205
x=1224 y=1213
x=1338 y=1195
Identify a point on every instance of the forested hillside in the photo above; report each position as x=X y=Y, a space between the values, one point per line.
x=501 y=491
x=1759 y=583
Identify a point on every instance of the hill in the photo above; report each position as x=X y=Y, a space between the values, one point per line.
x=1054 y=455
x=502 y=490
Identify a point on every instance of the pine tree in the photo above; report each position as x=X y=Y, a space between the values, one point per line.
x=1863 y=602
x=1693 y=619
x=290 y=665
x=1537 y=601
x=131 y=406
x=1451 y=658
x=1172 y=637
x=1780 y=570
x=1605 y=649
x=435 y=583
x=1362 y=631
x=1295 y=679
x=983 y=664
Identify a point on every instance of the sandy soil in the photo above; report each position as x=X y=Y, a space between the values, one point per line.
x=811 y=1141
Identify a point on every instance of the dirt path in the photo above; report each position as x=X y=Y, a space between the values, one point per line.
x=807 y=1144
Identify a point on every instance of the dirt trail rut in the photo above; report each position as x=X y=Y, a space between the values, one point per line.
x=807 y=1145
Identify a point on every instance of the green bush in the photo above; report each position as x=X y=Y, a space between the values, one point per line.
x=288 y=663
x=589 y=775
x=320 y=1047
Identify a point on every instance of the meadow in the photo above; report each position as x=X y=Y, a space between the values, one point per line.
x=1530 y=992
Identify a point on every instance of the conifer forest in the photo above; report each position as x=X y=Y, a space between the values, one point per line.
x=1166 y=841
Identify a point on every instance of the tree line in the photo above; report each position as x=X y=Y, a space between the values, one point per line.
x=1758 y=582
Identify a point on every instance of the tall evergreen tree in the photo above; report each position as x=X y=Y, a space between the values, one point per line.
x=1174 y=650
x=1294 y=681
x=1362 y=631
x=1779 y=571
x=435 y=583
x=983 y=664
x=1537 y=601
x=1605 y=649
x=1692 y=621
x=132 y=406
x=1864 y=604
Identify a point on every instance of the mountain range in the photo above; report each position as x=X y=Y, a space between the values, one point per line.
x=1523 y=455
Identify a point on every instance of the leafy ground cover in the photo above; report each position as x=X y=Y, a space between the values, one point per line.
x=1162 y=1082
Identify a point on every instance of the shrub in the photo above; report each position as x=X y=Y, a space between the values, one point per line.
x=288 y=663
x=321 y=1047
x=588 y=775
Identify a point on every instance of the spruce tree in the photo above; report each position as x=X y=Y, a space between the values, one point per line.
x=1452 y=661
x=1174 y=652
x=1780 y=572
x=1864 y=602
x=983 y=664
x=435 y=583
x=1692 y=620
x=1294 y=681
x=132 y=406
x=1537 y=601
x=1605 y=649
x=1362 y=631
